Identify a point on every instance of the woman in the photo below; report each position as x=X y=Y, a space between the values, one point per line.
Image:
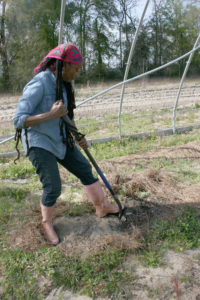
x=46 y=139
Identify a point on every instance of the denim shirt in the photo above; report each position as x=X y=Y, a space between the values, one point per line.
x=38 y=97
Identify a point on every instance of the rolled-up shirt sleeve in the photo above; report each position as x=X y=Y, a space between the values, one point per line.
x=32 y=95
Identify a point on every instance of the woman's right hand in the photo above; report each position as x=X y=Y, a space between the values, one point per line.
x=58 y=109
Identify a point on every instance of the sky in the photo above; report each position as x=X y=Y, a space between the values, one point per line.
x=140 y=8
x=141 y=5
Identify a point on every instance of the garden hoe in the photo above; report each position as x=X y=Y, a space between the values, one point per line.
x=78 y=136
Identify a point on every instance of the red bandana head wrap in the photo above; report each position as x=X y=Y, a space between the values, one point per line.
x=65 y=52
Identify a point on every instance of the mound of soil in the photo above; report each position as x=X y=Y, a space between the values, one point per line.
x=83 y=235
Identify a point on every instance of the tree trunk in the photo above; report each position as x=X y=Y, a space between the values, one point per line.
x=3 y=52
x=120 y=46
x=156 y=38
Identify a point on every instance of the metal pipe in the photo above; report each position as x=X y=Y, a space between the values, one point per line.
x=6 y=140
x=62 y=15
x=181 y=84
x=128 y=65
x=136 y=77
x=78 y=136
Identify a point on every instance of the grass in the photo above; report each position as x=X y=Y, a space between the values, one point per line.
x=101 y=275
x=140 y=121
x=184 y=169
x=15 y=192
x=11 y=201
x=126 y=146
x=23 y=169
x=10 y=146
x=180 y=234
x=79 y=209
x=7 y=130
x=98 y=275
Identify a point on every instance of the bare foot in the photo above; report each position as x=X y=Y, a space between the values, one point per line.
x=107 y=209
x=50 y=233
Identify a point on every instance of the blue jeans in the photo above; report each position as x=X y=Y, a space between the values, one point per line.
x=46 y=167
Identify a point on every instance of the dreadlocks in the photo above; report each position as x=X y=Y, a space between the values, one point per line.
x=68 y=140
x=65 y=53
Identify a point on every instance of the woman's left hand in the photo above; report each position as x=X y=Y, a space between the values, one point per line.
x=83 y=143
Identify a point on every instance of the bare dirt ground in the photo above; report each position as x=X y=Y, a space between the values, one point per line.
x=165 y=197
x=146 y=94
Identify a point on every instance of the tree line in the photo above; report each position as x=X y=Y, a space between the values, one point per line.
x=103 y=30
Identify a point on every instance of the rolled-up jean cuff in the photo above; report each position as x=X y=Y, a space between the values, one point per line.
x=92 y=181
x=48 y=201
x=46 y=167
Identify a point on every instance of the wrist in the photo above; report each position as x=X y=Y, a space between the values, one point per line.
x=50 y=115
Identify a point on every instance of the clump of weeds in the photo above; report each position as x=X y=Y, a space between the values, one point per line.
x=22 y=169
x=180 y=234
